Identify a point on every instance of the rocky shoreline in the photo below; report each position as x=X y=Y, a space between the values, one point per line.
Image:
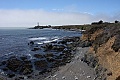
x=38 y=65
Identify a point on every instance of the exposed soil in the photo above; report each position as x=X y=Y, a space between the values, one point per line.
x=106 y=48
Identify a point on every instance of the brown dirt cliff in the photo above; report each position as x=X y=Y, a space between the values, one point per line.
x=106 y=47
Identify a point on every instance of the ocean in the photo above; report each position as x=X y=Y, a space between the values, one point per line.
x=15 y=41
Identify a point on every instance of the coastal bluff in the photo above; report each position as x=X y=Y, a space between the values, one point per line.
x=105 y=39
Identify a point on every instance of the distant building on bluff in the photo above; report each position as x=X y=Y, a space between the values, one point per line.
x=41 y=27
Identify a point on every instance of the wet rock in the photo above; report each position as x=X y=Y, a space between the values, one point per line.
x=49 y=55
x=5 y=69
x=47 y=46
x=69 y=39
x=26 y=68
x=70 y=46
x=10 y=75
x=21 y=77
x=54 y=42
x=38 y=56
x=66 y=51
x=58 y=63
x=23 y=58
x=35 y=49
x=17 y=79
x=31 y=43
x=23 y=66
x=13 y=64
x=58 y=47
x=40 y=64
x=50 y=59
x=3 y=62
x=62 y=42
x=43 y=71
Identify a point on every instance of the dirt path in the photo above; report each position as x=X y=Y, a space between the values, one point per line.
x=75 y=70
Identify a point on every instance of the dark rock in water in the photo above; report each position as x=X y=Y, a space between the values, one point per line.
x=58 y=47
x=17 y=79
x=47 y=47
x=62 y=42
x=38 y=56
x=43 y=71
x=69 y=39
x=49 y=55
x=70 y=46
x=21 y=77
x=23 y=66
x=66 y=51
x=26 y=68
x=11 y=75
x=58 y=63
x=13 y=64
x=35 y=49
x=31 y=43
x=50 y=59
x=3 y=63
x=40 y=64
x=23 y=58
x=5 y=69
x=54 y=42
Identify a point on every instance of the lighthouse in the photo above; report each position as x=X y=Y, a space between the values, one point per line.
x=38 y=24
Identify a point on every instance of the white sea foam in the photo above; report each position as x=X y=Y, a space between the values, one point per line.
x=39 y=43
x=39 y=38
x=48 y=41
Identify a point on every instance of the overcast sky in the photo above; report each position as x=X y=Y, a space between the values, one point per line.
x=26 y=13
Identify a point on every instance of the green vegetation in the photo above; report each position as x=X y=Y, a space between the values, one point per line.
x=87 y=27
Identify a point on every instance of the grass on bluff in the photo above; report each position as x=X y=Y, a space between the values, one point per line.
x=87 y=27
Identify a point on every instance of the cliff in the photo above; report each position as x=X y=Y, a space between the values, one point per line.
x=105 y=39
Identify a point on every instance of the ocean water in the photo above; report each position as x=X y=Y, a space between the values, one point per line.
x=15 y=41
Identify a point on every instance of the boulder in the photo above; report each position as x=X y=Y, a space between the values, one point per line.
x=40 y=64
x=26 y=68
x=13 y=64
x=38 y=56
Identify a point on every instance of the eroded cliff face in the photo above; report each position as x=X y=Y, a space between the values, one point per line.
x=106 y=47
